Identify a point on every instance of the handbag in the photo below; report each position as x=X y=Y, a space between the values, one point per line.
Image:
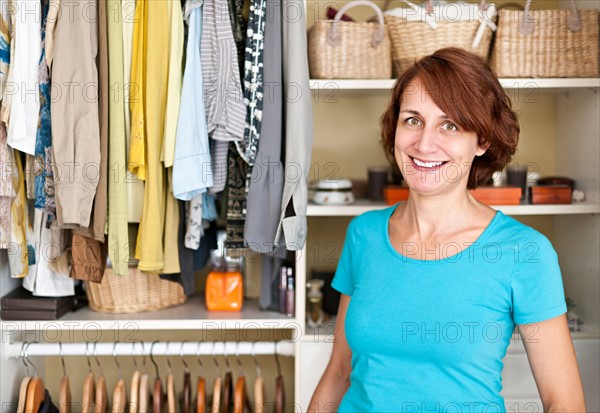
x=418 y=31
x=546 y=43
x=350 y=50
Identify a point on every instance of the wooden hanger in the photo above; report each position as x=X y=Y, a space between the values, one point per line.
x=23 y=394
x=279 y=394
x=36 y=391
x=171 y=403
x=134 y=386
x=216 y=394
x=200 y=386
x=158 y=397
x=88 y=400
x=279 y=386
x=144 y=394
x=64 y=400
x=259 y=386
x=119 y=397
x=171 y=400
x=120 y=392
x=240 y=398
x=227 y=393
x=134 y=390
x=186 y=396
x=216 y=400
x=101 y=394
x=101 y=397
x=24 y=383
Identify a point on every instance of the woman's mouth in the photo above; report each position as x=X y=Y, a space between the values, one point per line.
x=426 y=165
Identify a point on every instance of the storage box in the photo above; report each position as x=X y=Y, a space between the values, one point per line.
x=551 y=194
x=498 y=195
x=20 y=304
x=394 y=194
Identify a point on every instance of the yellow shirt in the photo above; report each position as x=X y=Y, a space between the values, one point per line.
x=137 y=150
x=149 y=248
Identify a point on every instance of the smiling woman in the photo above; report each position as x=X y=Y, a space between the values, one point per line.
x=416 y=276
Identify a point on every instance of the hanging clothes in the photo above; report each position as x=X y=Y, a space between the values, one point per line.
x=291 y=229
x=75 y=122
x=8 y=51
x=149 y=246
x=265 y=190
x=44 y=132
x=135 y=186
x=40 y=279
x=238 y=27
x=192 y=171
x=137 y=97
x=237 y=170
x=175 y=15
x=118 y=236
x=7 y=191
x=18 y=256
x=223 y=98
x=253 y=80
x=25 y=106
x=97 y=225
x=5 y=44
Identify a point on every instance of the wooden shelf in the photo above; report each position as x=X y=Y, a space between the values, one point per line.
x=386 y=84
x=188 y=316
x=361 y=206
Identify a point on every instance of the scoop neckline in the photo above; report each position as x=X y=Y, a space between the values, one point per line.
x=451 y=258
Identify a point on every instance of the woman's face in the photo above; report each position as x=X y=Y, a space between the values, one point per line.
x=433 y=153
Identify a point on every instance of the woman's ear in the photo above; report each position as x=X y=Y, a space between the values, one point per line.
x=482 y=149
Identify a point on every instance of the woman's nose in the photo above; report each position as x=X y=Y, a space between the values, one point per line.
x=426 y=141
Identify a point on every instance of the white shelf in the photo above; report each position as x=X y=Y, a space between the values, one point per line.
x=386 y=84
x=361 y=206
x=191 y=315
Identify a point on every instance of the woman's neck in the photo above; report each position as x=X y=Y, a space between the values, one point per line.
x=431 y=216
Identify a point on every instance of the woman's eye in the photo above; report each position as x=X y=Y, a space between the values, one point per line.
x=450 y=127
x=413 y=122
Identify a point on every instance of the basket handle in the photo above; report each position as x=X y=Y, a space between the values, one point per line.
x=528 y=24
x=333 y=39
x=429 y=5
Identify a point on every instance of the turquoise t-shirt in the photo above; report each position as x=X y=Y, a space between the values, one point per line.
x=430 y=335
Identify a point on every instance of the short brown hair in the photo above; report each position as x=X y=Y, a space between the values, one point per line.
x=464 y=87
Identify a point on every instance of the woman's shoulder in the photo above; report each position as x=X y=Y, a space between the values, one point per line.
x=514 y=232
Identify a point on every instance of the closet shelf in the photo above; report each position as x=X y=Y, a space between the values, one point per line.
x=508 y=83
x=189 y=316
x=361 y=206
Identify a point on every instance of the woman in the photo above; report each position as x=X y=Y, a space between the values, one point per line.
x=433 y=287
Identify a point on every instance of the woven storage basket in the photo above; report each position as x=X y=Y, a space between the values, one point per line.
x=415 y=34
x=350 y=50
x=133 y=293
x=547 y=43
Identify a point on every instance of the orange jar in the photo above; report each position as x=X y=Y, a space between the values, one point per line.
x=224 y=291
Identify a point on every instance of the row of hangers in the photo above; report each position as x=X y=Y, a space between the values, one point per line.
x=226 y=398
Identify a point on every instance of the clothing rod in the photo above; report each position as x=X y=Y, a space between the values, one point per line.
x=190 y=348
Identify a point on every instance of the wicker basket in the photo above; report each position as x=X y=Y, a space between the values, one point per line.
x=133 y=293
x=350 y=50
x=415 y=34
x=548 y=43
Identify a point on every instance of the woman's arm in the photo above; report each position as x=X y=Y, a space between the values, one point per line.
x=554 y=365
x=336 y=377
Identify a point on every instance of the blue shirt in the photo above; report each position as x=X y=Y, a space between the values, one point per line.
x=430 y=335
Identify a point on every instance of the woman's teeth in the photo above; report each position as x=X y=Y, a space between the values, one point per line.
x=427 y=164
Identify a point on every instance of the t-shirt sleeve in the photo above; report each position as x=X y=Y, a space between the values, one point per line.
x=343 y=280
x=536 y=281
